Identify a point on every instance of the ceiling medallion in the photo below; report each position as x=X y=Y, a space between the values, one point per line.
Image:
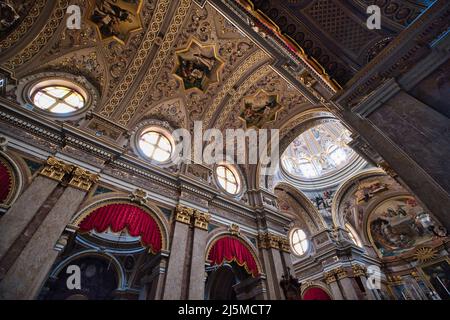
x=260 y=109
x=115 y=19
x=198 y=66
x=425 y=254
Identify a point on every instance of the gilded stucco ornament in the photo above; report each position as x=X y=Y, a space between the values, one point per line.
x=56 y=169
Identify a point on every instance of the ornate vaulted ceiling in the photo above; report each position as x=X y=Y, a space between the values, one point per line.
x=182 y=61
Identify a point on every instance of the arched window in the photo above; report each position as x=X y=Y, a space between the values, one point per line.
x=155 y=145
x=58 y=99
x=353 y=236
x=299 y=242
x=228 y=179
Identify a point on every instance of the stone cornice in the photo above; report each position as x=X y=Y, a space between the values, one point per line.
x=412 y=44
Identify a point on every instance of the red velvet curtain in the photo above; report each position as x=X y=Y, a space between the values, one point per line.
x=316 y=294
x=232 y=249
x=125 y=216
x=5 y=182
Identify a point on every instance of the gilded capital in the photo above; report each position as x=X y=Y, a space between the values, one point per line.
x=83 y=179
x=184 y=214
x=270 y=241
x=201 y=220
x=56 y=169
x=358 y=270
x=341 y=273
x=329 y=277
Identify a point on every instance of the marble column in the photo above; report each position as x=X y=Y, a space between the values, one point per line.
x=270 y=245
x=330 y=279
x=197 y=274
x=346 y=284
x=25 y=278
x=178 y=252
x=14 y=222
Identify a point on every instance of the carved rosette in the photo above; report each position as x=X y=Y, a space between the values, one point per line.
x=56 y=169
x=83 y=179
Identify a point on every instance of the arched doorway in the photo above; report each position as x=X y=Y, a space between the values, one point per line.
x=233 y=273
x=98 y=280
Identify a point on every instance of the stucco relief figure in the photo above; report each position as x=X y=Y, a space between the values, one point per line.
x=116 y=19
x=260 y=109
x=198 y=66
x=396 y=227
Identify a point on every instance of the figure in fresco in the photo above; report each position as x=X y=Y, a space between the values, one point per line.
x=197 y=66
x=396 y=228
x=116 y=18
x=8 y=15
x=366 y=191
x=108 y=17
x=260 y=109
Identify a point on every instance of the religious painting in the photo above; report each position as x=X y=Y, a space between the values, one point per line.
x=8 y=15
x=366 y=191
x=399 y=225
x=437 y=274
x=198 y=66
x=260 y=109
x=116 y=19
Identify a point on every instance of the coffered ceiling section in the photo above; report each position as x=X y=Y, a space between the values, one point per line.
x=179 y=61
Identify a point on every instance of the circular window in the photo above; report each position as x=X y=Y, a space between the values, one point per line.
x=155 y=145
x=227 y=179
x=299 y=242
x=58 y=99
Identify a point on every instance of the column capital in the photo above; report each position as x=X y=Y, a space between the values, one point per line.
x=269 y=240
x=56 y=169
x=83 y=179
x=358 y=270
x=184 y=214
x=330 y=277
x=201 y=220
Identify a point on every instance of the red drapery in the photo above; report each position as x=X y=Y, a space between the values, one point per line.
x=232 y=249
x=5 y=182
x=121 y=216
x=315 y=294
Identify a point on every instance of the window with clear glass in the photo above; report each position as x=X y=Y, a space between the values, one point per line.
x=353 y=236
x=58 y=99
x=319 y=151
x=227 y=179
x=155 y=146
x=299 y=242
